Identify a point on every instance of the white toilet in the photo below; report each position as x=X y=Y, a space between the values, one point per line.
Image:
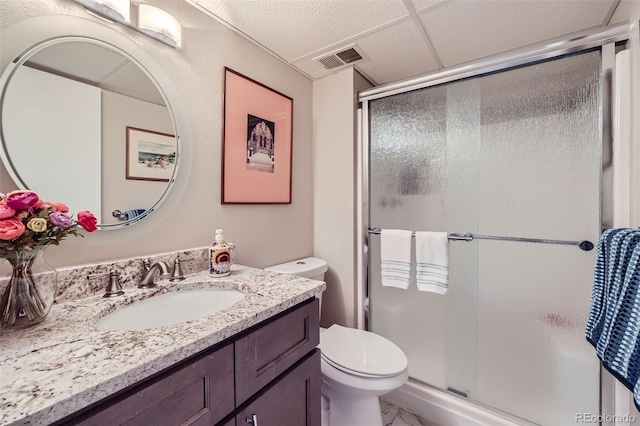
x=357 y=366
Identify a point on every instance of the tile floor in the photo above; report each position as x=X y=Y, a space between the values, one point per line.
x=396 y=416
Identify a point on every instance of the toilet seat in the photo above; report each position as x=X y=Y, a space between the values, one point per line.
x=353 y=372
x=361 y=353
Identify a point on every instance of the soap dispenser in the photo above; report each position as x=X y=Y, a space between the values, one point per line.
x=219 y=257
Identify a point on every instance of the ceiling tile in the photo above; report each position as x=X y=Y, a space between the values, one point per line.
x=396 y=53
x=87 y=61
x=93 y=64
x=624 y=12
x=293 y=28
x=131 y=81
x=466 y=30
x=423 y=4
x=392 y=54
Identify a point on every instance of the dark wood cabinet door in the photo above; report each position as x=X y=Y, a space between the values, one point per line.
x=265 y=353
x=293 y=400
x=197 y=394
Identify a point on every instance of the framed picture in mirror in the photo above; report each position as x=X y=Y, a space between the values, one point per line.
x=257 y=142
x=150 y=155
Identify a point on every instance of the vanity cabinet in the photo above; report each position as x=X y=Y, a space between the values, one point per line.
x=195 y=394
x=270 y=371
x=266 y=352
x=293 y=400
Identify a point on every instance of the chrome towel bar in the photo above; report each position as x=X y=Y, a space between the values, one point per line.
x=455 y=236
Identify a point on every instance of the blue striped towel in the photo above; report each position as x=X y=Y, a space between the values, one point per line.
x=613 y=324
x=395 y=253
x=432 y=261
x=133 y=213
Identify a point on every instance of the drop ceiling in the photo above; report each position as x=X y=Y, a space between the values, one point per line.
x=95 y=65
x=400 y=39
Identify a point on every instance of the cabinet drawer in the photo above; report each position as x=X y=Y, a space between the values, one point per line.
x=265 y=353
x=195 y=394
x=292 y=400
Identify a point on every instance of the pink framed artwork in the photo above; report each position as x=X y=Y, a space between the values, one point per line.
x=256 y=142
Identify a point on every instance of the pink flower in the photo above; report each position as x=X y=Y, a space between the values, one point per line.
x=6 y=211
x=22 y=214
x=11 y=229
x=22 y=200
x=87 y=220
x=56 y=207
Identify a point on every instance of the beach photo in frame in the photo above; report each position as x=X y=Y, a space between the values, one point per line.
x=256 y=142
x=150 y=155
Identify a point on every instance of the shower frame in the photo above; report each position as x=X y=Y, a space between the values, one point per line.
x=605 y=38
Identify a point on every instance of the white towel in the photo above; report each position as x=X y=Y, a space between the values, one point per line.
x=432 y=261
x=395 y=253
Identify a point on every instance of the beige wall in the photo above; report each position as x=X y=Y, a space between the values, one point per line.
x=118 y=112
x=334 y=108
x=265 y=234
x=634 y=45
x=628 y=11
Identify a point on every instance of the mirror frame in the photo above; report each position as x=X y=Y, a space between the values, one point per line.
x=34 y=48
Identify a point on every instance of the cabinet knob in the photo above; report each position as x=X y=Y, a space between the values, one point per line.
x=253 y=420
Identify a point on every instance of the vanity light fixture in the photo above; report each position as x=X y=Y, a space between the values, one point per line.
x=159 y=24
x=110 y=10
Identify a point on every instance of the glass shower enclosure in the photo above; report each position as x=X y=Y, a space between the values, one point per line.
x=514 y=153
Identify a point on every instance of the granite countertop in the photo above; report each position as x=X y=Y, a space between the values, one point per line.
x=64 y=364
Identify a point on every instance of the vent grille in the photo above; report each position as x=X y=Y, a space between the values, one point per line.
x=349 y=55
x=331 y=62
x=340 y=58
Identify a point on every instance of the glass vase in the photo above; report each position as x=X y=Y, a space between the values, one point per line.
x=27 y=286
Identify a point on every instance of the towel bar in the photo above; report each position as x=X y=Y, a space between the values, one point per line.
x=455 y=236
x=129 y=214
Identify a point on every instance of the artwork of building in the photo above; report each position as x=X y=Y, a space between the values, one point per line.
x=260 y=140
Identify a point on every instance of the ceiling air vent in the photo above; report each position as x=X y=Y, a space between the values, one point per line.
x=331 y=62
x=340 y=58
x=349 y=55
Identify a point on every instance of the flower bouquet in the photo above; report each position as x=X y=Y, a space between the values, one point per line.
x=27 y=226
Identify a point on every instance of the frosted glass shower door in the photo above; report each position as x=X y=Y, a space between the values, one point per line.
x=517 y=154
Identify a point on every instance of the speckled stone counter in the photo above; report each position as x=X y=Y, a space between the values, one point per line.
x=64 y=364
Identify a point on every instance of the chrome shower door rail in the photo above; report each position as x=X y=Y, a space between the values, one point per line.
x=456 y=236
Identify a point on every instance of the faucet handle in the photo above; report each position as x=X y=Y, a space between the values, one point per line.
x=177 y=275
x=146 y=264
x=113 y=288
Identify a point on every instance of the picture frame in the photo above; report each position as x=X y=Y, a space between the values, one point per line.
x=257 y=142
x=150 y=155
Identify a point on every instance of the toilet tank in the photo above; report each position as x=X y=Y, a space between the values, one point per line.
x=309 y=267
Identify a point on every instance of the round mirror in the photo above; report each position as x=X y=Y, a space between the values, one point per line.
x=83 y=123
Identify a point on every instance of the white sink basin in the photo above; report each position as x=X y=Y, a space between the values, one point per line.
x=170 y=308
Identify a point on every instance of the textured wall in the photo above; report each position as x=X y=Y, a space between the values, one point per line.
x=334 y=109
x=265 y=234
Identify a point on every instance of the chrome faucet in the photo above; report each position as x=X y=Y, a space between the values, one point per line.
x=150 y=274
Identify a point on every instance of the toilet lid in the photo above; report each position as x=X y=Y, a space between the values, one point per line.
x=361 y=352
